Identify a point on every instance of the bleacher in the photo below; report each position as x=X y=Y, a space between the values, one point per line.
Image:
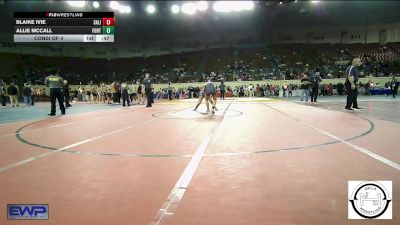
x=215 y=63
x=376 y=52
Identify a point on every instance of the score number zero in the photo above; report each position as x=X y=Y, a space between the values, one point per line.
x=108 y=21
x=108 y=25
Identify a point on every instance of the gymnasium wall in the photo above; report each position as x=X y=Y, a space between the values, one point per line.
x=346 y=34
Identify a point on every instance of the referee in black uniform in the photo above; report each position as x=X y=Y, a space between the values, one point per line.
x=148 y=88
x=55 y=82
x=352 y=75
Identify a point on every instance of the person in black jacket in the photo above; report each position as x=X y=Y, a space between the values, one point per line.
x=33 y=94
x=340 y=88
x=148 y=88
x=305 y=88
x=394 y=86
x=125 y=93
x=170 y=90
x=13 y=92
x=3 y=93
x=222 y=90
x=315 y=80
x=26 y=93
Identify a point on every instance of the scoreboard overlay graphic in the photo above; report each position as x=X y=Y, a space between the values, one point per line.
x=64 y=26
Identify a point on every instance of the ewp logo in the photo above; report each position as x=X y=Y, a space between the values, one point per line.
x=28 y=212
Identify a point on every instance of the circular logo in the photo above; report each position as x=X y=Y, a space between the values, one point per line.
x=370 y=199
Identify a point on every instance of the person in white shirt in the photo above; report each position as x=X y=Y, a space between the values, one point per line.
x=251 y=91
